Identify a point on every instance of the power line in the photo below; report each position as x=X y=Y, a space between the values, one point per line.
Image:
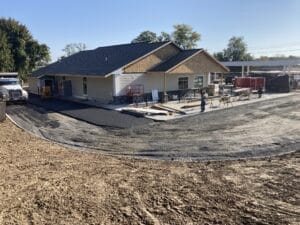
x=274 y=51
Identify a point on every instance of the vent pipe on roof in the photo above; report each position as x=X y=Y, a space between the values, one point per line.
x=106 y=59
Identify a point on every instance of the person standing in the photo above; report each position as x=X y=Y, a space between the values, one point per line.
x=203 y=103
x=259 y=92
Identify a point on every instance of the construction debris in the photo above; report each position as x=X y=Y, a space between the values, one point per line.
x=169 y=109
x=141 y=112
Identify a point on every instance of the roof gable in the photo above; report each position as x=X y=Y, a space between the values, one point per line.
x=175 y=60
x=150 y=61
x=199 y=62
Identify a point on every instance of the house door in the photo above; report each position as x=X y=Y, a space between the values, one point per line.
x=49 y=86
x=67 y=87
x=49 y=83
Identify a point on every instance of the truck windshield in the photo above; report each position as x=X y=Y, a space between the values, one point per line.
x=8 y=82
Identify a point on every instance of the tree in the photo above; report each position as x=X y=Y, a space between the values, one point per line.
x=185 y=37
x=278 y=57
x=164 y=36
x=236 y=51
x=38 y=54
x=220 y=56
x=146 y=36
x=21 y=52
x=73 y=48
x=6 y=60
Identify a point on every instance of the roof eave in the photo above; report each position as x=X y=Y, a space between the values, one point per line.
x=71 y=75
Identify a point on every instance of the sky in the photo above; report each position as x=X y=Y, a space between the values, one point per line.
x=269 y=27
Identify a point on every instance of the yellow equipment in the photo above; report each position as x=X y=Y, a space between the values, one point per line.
x=46 y=92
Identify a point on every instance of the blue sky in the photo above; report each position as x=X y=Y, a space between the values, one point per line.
x=270 y=27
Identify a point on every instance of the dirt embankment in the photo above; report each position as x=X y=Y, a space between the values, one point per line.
x=265 y=128
x=43 y=183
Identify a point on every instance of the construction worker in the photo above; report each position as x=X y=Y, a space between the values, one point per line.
x=203 y=103
x=259 y=92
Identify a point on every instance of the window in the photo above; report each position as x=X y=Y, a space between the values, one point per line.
x=183 y=83
x=9 y=82
x=84 y=82
x=198 y=82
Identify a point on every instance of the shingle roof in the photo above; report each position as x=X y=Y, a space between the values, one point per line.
x=100 y=61
x=175 y=60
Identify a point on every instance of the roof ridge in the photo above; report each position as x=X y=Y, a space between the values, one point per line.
x=128 y=44
x=193 y=49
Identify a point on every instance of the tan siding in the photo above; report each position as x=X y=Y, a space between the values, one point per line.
x=100 y=89
x=198 y=64
x=149 y=82
x=153 y=81
x=77 y=88
x=152 y=60
x=33 y=85
x=172 y=80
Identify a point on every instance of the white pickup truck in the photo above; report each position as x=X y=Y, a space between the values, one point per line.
x=11 y=88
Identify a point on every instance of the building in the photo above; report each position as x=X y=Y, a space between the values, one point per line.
x=280 y=75
x=113 y=73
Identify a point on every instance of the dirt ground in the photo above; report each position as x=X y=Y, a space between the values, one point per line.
x=44 y=183
x=259 y=129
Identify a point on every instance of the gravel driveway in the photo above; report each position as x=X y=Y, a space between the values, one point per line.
x=94 y=115
x=265 y=128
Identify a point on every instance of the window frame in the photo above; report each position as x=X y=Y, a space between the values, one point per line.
x=196 y=81
x=183 y=83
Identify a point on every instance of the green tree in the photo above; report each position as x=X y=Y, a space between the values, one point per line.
x=236 y=51
x=278 y=57
x=185 y=37
x=6 y=60
x=220 y=56
x=164 y=36
x=38 y=54
x=73 y=48
x=26 y=54
x=146 y=36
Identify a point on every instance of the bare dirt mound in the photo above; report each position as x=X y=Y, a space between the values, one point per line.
x=43 y=183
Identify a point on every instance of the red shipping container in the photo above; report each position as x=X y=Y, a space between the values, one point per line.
x=254 y=83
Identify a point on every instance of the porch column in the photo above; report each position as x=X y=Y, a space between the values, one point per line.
x=242 y=71
x=165 y=97
x=114 y=85
x=209 y=78
x=222 y=78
